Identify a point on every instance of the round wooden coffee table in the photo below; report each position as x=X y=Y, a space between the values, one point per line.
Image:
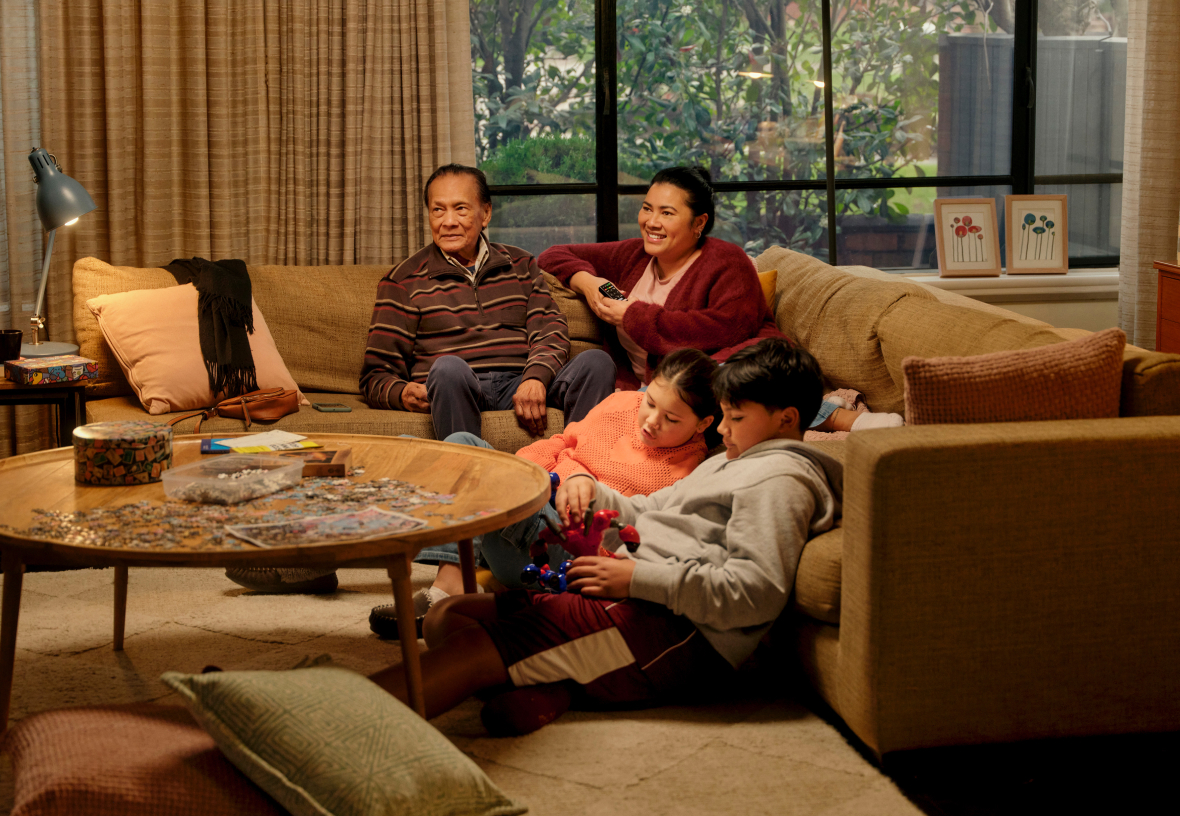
x=490 y=490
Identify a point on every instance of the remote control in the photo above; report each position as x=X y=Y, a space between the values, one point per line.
x=608 y=290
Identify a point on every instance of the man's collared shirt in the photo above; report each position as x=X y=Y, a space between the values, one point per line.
x=481 y=258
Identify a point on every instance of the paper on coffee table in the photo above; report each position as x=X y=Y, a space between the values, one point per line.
x=359 y=525
x=268 y=441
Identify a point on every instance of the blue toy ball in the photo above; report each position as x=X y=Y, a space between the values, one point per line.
x=531 y=574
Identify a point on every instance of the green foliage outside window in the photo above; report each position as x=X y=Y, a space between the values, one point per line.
x=730 y=84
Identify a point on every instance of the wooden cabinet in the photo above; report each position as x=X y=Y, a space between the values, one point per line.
x=1167 y=320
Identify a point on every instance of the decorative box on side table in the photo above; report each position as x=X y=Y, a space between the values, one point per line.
x=1167 y=315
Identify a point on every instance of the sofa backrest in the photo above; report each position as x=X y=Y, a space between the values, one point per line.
x=318 y=315
x=860 y=326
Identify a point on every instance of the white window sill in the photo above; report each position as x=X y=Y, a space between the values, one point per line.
x=1083 y=284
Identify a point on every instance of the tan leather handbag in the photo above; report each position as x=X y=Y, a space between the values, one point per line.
x=265 y=405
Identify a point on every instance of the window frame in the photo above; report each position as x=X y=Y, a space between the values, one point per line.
x=1021 y=177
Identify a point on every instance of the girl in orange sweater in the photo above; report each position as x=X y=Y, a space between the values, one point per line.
x=636 y=442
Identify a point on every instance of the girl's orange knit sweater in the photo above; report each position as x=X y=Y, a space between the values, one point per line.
x=607 y=445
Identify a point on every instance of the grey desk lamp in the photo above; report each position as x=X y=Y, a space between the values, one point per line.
x=60 y=202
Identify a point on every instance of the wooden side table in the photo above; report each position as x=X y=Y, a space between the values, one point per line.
x=70 y=399
x=1167 y=313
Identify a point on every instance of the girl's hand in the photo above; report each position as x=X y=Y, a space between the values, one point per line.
x=576 y=493
x=597 y=577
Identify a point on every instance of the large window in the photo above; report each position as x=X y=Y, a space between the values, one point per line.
x=829 y=126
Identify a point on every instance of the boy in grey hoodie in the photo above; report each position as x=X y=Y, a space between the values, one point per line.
x=714 y=570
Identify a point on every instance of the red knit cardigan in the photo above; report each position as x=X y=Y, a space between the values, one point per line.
x=717 y=306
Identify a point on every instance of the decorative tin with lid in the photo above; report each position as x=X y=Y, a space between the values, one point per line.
x=121 y=453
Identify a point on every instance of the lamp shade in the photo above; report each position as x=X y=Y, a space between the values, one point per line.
x=60 y=199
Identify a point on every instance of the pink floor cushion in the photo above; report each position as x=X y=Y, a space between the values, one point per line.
x=128 y=760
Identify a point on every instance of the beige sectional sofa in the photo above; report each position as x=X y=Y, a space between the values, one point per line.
x=988 y=583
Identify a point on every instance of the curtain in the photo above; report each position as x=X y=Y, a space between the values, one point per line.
x=295 y=133
x=1151 y=171
x=22 y=428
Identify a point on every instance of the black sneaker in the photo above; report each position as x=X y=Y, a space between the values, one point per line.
x=284 y=580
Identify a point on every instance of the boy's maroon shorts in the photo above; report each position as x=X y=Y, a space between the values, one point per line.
x=620 y=651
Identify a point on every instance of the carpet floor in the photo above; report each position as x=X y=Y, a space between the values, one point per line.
x=765 y=752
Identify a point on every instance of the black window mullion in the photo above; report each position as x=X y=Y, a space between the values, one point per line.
x=1024 y=113
x=829 y=130
x=606 y=119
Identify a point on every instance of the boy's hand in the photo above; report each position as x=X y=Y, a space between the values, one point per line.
x=574 y=495
x=597 y=577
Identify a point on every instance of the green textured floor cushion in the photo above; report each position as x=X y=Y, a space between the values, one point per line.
x=329 y=741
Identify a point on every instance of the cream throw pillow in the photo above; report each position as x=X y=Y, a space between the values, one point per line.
x=154 y=335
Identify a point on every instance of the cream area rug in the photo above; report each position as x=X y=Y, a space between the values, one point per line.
x=760 y=753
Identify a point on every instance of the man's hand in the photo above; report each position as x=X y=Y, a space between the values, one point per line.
x=529 y=404
x=576 y=493
x=598 y=577
x=414 y=398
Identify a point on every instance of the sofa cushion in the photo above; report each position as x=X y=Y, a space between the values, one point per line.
x=834 y=316
x=817 y=580
x=1079 y=379
x=500 y=428
x=92 y=278
x=928 y=328
x=329 y=742
x=583 y=325
x=320 y=318
x=155 y=336
x=126 y=760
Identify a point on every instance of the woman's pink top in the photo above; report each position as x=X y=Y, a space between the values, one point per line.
x=716 y=306
x=649 y=289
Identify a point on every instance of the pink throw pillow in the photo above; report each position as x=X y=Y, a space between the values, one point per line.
x=154 y=336
x=131 y=760
x=1080 y=379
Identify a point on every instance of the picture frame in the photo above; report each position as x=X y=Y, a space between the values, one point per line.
x=1038 y=234
x=967 y=236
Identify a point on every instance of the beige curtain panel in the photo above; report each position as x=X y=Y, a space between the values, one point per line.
x=276 y=132
x=1151 y=170
x=22 y=428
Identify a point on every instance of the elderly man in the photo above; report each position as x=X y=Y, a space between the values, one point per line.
x=466 y=325
x=460 y=327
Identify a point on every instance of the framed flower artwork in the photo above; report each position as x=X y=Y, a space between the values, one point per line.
x=968 y=237
x=1038 y=234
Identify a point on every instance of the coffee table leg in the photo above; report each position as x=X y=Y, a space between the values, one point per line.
x=407 y=630
x=120 y=606
x=467 y=564
x=14 y=573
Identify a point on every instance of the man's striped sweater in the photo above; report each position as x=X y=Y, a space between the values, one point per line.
x=428 y=308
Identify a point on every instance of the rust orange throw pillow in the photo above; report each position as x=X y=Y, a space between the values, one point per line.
x=1080 y=379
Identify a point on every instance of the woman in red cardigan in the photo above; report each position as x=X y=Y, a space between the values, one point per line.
x=684 y=289
x=680 y=288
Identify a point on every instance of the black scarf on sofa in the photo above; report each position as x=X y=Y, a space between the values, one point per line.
x=225 y=317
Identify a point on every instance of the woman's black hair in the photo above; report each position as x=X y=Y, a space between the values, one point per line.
x=774 y=374
x=690 y=372
x=697 y=185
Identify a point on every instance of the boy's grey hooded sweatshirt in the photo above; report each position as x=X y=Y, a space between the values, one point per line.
x=721 y=545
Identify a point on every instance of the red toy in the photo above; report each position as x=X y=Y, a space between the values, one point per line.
x=578 y=539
